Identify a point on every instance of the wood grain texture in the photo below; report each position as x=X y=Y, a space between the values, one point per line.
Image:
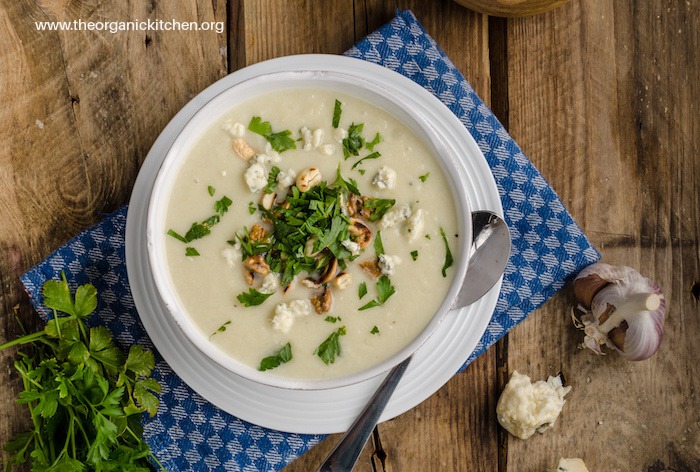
x=603 y=99
x=80 y=111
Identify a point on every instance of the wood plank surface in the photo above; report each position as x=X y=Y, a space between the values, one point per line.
x=602 y=96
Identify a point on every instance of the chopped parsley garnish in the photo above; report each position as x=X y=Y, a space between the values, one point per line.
x=427 y=236
x=279 y=141
x=253 y=297
x=220 y=329
x=211 y=191
x=222 y=206
x=424 y=177
x=370 y=144
x=251 y=208
x=350 y=186
x=282 y=356
x=361 y=171
x=272 y=180
x=332 y=319
x=330 y=348
x=354 y=142
x=448 y=254
x=362 y=291
x=337 y=111
x=375 y=330
x=414 y=255
x=384 y=291
x=190 y=251
x=378 y=244
x=379 y=207
x=374 y=155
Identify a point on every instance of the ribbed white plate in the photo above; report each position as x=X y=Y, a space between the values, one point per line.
x=298 y=411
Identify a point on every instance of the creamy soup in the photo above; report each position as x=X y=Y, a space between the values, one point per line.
x=276 y=259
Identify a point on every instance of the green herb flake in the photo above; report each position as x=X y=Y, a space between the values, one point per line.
x=280 y=141
x=374 y=155
x=272 y=180
x=427 y=236
x=354 y=141
x=337 y=111
x=330 y=348
x=220 y=329
x=378 y=244
x=251 y=208
x=362 y=291
x=349 y=185
x=448 y=254
x=333 y=319
x=375 y=330
x=191 y=252
x=177 y=236
x=379 y=207
x=384 y=291
x=361 y=171
x=222 y=206
x=211 y=191
x=424 y=177
x=377 y=139
x=253 y=297
x=283 y=355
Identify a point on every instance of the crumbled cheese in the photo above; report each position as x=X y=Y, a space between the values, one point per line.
x=385 y=178
x=393 y=217
x=286 y=179
x=237 y=130
x=285 y=314
x=266 y=158
x=339 y=134
x=571 y=465
x=351 y=246
x=270 y=283
x=232 y=254
x=414 y=224
x=525 y=407
x=387 y=264
x=306 y=138
x=327 y=149
x=256 y=177
x=317 y=138
x=273 y=155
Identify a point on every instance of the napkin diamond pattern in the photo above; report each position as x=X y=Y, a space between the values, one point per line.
x=190 y=434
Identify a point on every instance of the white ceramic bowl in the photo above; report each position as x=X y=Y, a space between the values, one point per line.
x=360 y=86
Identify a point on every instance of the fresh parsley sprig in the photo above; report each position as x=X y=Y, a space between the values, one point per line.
x=337 y=111
x=253 y=297
x=330 y=348
x=284 y=355
x=280 y=141
x=384 y=291
x=354 y=141
x=448 y=254
x=85 y=396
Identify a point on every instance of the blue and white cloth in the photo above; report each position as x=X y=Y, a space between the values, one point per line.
x=190 y=434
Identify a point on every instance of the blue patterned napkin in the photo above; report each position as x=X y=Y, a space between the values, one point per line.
x=190 y=434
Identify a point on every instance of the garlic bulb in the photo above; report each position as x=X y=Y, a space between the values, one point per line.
x=621 y=309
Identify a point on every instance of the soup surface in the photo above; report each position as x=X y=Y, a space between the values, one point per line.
x=310 y=234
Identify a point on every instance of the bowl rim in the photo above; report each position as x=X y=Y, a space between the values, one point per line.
x=203 y=119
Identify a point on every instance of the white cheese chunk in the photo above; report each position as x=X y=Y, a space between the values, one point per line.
x=571 y=465
x=525 y=408
x=387 y=264
x=393 y=217
x=256 y=177
x=306 y=138
x=285 y=314
x=237 y=130
x=339 y=134
x=270 y=283
x=351 y=246
x=385 y=178
x=273 y=155
x=414 y=224
x=286 y=179
x=327 y=149
x=317 y=138
x=232 y=254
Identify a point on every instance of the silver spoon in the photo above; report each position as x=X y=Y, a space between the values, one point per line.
x=487 y=261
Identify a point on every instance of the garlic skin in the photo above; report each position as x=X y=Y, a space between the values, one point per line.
x=623 y=310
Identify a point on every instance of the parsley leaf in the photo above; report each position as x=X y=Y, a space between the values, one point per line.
x=424 y=177
x=362 y=290
x=330 y=348
x=337 y=111
x=374 y=155
x=191 y=252
x=279 y=141
x=332 y=319
x=379 y=207
x=354 y=141
x=271 y=180
x=252 y=297
x=384 y=291
x=370 y=144
x=414 y=255
x=222 y=206
x=448 y=254
x=350 y=186
x=220 y=329
x=378 y=245
x=284 y=355
x=375 y=330
x=211 y=191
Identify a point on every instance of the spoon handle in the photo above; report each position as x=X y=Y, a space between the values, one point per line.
x=346 y=453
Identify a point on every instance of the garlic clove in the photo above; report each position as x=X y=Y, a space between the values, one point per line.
x=627 y=310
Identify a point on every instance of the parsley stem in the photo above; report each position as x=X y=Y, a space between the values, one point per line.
x=29 y=338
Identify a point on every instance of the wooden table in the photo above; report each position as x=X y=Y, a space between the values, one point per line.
x=603 y=96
